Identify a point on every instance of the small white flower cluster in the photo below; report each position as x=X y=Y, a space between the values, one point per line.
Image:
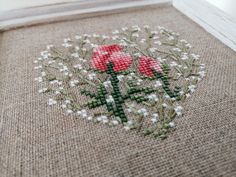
x=153 y=97
x=43 y=90
x=92 y=76
x=192 y=88
x=78 y=66
x=67 y=43
x=154 y=118
x=51 y=102
x=110 y=99
x=184 y=56
x=73 y=83
x=39 y=79
x=128 y=125
x=120 y=77
x=82 y=113
x=158 y=84
x=45 y=55
x=107 y=84
x=143 y=112
x=178 y=110
x=103 y=119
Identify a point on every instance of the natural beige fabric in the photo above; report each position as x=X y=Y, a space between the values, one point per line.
x=36 y=140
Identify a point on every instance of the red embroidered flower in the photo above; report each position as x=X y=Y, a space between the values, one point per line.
x=102 y=55
x=147 y=65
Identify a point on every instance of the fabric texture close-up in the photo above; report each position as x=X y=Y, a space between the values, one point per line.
x=38 y=140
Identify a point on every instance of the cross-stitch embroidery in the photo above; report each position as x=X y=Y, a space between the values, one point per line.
x=136 y=77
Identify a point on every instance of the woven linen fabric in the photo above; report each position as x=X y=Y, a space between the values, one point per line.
x=37 y=140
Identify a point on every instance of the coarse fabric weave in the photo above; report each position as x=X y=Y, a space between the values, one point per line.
x=38 y=140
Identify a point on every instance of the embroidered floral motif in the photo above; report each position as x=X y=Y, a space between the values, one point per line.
x=137 y=78
x=147 y=65
x=102 y=55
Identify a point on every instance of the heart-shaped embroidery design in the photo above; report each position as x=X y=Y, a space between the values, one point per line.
x=135 y=78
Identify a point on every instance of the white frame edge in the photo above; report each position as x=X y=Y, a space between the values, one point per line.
x=64 y=11
x=212 y=19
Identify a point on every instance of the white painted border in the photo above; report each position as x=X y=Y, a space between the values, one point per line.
x=49 y=13
x=212 y=19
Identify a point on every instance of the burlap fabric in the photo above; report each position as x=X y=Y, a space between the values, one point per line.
x=36 y=140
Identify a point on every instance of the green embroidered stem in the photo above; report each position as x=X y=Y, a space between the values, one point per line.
x=118 y=99
x=166 y=85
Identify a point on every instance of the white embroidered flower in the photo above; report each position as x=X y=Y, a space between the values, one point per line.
x=137 y=54
x=170 y=38
x=91 y=76
x=153 y=97
x=42 y=90
x=43 y=74
x=158 y=42
x=51 y=102
x=173 y=63
x=107 y=84
x=53 y=82
x=63 y=106
x=105 y=121
x=86 y=41
x=49 y=46
x=188 y=45
x=202 y=74
x=96 y=35
x=188 y=95
x=115 y=37
x=115 y=122
x=115 y=32
x=183 y=41
x=154 y=32
x=142 y=40
x=164 y=105
x=177 y=49
x=166 y=96
x=184 y=57
x=105 y=37
x=73 y=83
x=110 y=99
x=143 y=112
x=78 y=37
x=196 y=57
x=158 y=84
x=135 y=35
x=51 y=61
x=82 y=113
x=45 y=54
x=152 y=49
x=126 y=128
x=192 y=88
x=171 y=124
x=120 y=77
x=89 y=118
x=178 y=110
x=76 y=55
x=69 y=111
x=156 y=37
x=136 y=28
x=78 y=66
x=154 y=120
x=38 y=67
x=39 y=79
